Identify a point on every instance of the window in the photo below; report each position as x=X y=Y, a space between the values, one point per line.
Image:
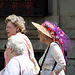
x=24 y=7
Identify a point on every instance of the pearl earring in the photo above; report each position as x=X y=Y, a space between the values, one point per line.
x=45 y=38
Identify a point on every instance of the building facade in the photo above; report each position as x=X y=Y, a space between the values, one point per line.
x=60 y=11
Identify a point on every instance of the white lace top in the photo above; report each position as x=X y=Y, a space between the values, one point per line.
x=54 y=54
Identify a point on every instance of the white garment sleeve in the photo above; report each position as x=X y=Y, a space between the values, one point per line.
x=12 y=68
x=58 y=56
x=2 y=71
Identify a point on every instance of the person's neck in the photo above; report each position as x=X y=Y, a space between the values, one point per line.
x=13 y=55
x=49 y=42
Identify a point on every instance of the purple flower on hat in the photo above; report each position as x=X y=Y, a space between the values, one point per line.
x=60 y=37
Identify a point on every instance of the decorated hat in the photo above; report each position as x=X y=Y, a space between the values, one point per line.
x=53 y=31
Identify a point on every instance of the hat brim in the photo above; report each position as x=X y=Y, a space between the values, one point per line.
x=42 y=29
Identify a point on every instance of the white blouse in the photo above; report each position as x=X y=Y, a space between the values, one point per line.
x=17 y=65
x=54 y=54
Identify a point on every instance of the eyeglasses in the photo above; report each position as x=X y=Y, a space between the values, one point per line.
x=5 y=46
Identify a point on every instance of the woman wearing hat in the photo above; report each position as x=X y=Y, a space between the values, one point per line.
x=53 y=61
x=15 y=26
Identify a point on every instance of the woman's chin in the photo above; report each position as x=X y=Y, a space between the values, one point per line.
x=41 y=41
x=8 y=35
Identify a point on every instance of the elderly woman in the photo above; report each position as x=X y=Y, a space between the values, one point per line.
x=15 y=25
x=53 y=61
x=19 y=64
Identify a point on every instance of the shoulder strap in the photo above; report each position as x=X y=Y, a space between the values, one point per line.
x=44 y=58
x=54 y=65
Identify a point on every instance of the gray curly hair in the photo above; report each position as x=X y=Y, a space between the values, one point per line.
x=17 y=21
x=17 y=44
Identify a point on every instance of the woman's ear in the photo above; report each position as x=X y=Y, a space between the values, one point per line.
x=11 y=50
x=17 y=29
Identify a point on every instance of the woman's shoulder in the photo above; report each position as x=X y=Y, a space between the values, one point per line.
x=20 y=35
x=53 y=44
x=20 y=58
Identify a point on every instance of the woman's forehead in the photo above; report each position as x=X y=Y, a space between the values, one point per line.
x=10 y=24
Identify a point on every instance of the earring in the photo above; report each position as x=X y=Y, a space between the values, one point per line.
x=45 y=38
x=16 y=31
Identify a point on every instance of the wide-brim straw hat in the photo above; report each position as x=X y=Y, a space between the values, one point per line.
x=53 y=31
x=42 y=29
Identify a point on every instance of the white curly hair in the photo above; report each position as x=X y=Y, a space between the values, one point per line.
x=17 y=44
